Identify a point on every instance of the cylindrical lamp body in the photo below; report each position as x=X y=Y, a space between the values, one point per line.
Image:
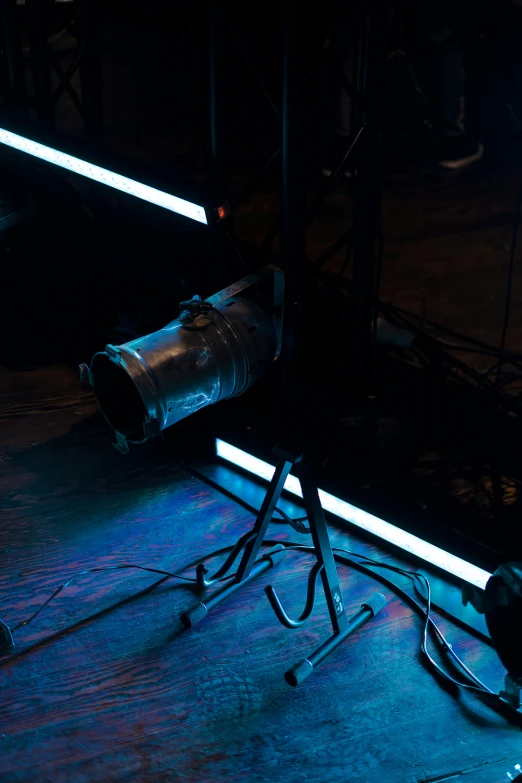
x=148 y=384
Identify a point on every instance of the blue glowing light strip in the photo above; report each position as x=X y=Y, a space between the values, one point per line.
x=356 y=516
x=109 y=178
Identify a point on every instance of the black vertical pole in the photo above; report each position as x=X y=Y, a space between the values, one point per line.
x=222 y=226
x=90 y=70
x=38 y=17
x=292 y=206
x=12 y=47
x=367 y=204
x=217 y=99
x=323 y=548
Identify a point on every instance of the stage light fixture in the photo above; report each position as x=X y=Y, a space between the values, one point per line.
x=104 y=176
x=216 y=349
x=411 y=544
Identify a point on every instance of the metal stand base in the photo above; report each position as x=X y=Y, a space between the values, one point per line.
x=250 y=568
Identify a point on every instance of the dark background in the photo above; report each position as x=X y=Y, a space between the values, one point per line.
x=92 y=266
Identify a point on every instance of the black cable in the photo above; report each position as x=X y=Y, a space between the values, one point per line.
x=92 y=571
x=77 y=624
x=402 y=319
x=413 y=575
x=297 y=524
x=442 y=346
x=477 y=685
x=288 y=545
x=417 y=607
x=405 y=317
x=512 y=379
x=363 y=563
x=343 y=556
x=446 y=330
x=95 y=615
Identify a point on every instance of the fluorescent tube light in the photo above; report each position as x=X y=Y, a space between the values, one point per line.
x=109 y=178
x=430 y=553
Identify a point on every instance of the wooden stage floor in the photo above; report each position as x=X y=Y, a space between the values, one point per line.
x=129 y=696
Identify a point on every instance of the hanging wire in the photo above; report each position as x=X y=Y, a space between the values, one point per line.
x=342 y=556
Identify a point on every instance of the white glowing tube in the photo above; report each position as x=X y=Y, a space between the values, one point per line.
x=109 y=178
x=356 y=516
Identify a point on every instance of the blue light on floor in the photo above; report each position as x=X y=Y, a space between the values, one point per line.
x=104 y=176
x=431 y=554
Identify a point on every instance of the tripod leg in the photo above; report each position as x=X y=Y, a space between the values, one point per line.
x=266 y=512
x=247 y=570
x=306 y=666
x=323 y=549
x=199 y=611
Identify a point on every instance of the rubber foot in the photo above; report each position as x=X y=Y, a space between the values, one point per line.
x=6 y=639
x=299 y=672
x=194 y=615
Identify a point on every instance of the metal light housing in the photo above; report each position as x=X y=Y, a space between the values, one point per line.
x=216 y=349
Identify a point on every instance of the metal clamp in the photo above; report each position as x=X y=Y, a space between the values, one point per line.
x=247 y=282
x=192 y=309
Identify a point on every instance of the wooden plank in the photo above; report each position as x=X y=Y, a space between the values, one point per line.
x=130 y=696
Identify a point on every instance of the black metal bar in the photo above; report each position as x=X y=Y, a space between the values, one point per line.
x=306 y=666
x=65 y=83
x=199 y=611
x=323 y=548
x=344 y=240
x=90 y=70
x=280 y=613
x=218 y=136
x=65 y=78
x=292 y=207
x=237 y=39
x=348 y=256
x=40 y=61
x=266 y=512
x=325 y=191
x=217 y=98
x=12 y=48
x=202 y=571
x=248 y=568
x=366 y=211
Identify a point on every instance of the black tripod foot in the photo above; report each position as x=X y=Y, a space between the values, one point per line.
x=306 y=666
x=199 y=611
x=6 y=639
x=299 y=672
x=194 y=615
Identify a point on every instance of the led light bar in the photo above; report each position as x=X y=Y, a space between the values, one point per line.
x=356 y=516
x=109 y=178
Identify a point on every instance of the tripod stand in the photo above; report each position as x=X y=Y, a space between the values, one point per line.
x=250 y=567
x=293 y=224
